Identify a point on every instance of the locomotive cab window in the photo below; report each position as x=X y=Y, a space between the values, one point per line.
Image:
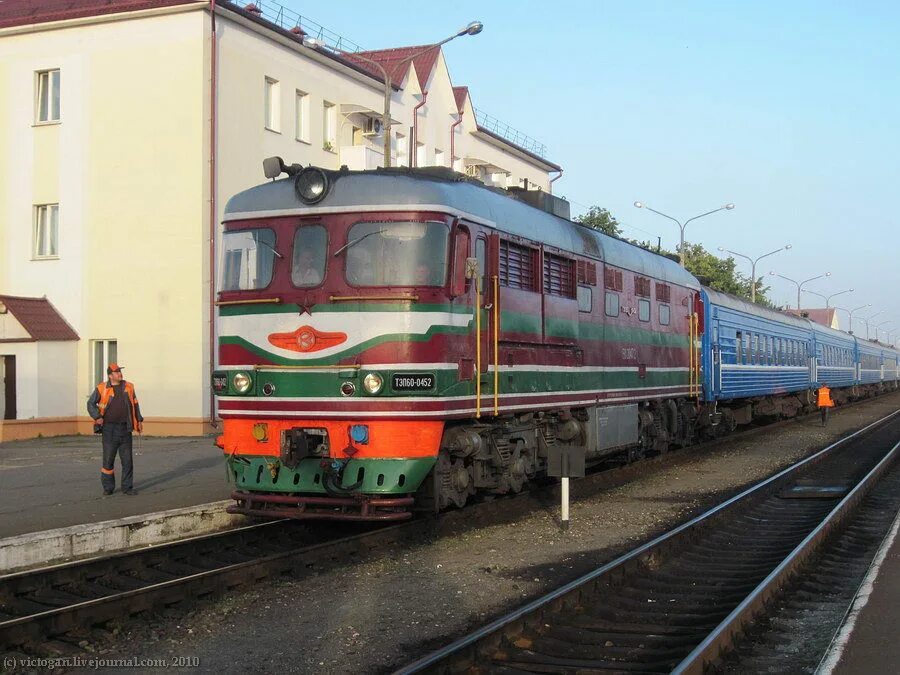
x=612 y=304
x=401 y=253
x=308 y=264
x=249 y=259
x=644 y=310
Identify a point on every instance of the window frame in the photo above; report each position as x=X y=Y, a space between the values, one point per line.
x=275 y=259
x=642 y=303
x=329 y=126
x=39 y=89
x=301 y=116
x=107 y=356
x=37 y=222
x=584 y=293
x=507 y=244
x=294 y=254
x=606 y=298
x=272 y=105
x=660 y=306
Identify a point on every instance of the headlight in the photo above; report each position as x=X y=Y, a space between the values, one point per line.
x=241 y=382
x=311 y=185
x=373 y=382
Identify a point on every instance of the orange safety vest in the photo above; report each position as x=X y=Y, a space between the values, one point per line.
x=107 y=392
x=825 y=398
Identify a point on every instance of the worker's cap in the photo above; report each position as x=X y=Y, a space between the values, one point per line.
x=112 y=368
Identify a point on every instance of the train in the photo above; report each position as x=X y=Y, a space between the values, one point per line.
x=409 y=339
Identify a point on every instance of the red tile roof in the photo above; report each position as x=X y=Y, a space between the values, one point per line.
x=39 y=317
x=26 y=12
x=822 y=316
x=396 y=61
x=460 y=94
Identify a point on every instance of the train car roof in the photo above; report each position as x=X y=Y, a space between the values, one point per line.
x=831 y=332
x=741 y=305
x=449 y=192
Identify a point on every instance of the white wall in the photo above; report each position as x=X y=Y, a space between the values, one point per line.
x=56 y=378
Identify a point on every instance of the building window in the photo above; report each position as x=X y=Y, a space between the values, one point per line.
x=402 y=150
x=47 y=96
x=516 y=266
x=644 y=310
x=612 y=304
x=665 y=315
x=438 y=157
x=273 y=105
x=46 y=232
x=329 y=126
x=585 y=298
x=559 y=276
x=301 y=116
x=103 y=352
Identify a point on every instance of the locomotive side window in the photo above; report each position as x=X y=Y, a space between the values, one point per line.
x=481 y=257
x=402 y=253
x=612 y=304
x=644 y=310
x=585 y=298
x=665 y=314
x=308 y=264
x=249 y=259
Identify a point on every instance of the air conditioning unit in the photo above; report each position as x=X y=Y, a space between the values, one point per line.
x=372 y=127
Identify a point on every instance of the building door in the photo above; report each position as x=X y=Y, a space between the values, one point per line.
x=9 y=387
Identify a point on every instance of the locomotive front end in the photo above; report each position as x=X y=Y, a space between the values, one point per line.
x=339 y=348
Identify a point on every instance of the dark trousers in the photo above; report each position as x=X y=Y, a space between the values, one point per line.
x=116 y=439
x=825 y=415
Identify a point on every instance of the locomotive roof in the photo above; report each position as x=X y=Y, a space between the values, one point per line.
x=448 y=192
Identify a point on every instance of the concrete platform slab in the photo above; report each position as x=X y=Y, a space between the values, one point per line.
x=53 y=483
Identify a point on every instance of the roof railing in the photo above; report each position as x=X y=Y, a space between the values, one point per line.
x=511 y=134
x=287 y=19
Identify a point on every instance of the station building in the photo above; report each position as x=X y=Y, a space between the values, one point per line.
x=125 y=125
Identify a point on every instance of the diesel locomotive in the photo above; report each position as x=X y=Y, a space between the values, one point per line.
x=403 y=339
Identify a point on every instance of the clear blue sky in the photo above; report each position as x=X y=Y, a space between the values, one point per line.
x=789 y=110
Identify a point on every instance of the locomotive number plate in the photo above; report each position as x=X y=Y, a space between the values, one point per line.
x=220 y=383
x=412 y=382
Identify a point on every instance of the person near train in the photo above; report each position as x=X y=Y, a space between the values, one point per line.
x=114 y=407
x=824 y=401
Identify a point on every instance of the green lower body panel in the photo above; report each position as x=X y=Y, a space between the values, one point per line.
x=376 y=476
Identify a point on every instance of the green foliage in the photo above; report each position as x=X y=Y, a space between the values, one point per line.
x=598 y=218
x=717 y=273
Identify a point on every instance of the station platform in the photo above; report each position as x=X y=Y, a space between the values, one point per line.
x=867 y=642
x=50 y=483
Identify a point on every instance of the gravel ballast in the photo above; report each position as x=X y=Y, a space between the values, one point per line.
x=386 y=610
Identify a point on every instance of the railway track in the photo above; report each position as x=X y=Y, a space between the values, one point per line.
x=679 y=602
x=36 y=605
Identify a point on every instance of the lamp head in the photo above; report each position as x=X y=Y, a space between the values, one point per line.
x=640 y=205
x=729 y=206
x=474 y=28
x=721 y=248
x=772 y=273
x=787 y=247
x=827 y=274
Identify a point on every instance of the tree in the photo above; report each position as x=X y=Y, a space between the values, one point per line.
x=598 y=218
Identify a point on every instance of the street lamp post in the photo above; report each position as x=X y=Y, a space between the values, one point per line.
x=681 y=225
x=753 y=262
x=850 y=313
x=827 y=298
x=883 y=323
x=799 y=284
x=866 y=321
x=473 y=28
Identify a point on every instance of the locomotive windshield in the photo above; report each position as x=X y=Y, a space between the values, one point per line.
x=308 y=266
x=248 y=260
x=396 y=254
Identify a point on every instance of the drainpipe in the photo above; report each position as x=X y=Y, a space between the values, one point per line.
x=213 y=216
x=554 y=179
x=415 y=141
x=453 y=138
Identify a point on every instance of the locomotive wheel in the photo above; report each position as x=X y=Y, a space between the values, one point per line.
x=455 y=482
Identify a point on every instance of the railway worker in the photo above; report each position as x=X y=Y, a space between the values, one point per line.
x=825 y=402
x=114 y=407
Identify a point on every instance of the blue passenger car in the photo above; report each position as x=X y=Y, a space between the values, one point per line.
x=749 y=350
x=835 y=353
x=870 y=361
